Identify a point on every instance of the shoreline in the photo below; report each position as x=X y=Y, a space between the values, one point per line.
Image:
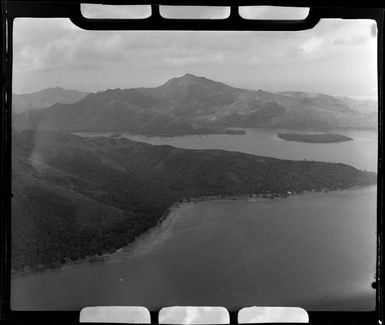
x=119 y=134
x=225 y=131
x=253 y=197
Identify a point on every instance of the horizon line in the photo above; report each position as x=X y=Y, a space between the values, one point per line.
x=372 y=98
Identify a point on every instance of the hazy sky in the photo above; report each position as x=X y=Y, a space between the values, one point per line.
x=337 y=57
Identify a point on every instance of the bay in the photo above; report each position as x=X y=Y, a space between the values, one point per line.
x=360 y=153
x=315 y=251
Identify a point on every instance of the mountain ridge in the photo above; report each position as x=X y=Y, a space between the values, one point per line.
x=45 y=98
x=197 y=105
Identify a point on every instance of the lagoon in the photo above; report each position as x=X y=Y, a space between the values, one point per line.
x=361 y=152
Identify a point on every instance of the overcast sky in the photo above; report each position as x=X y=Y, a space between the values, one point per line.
x=337 y=57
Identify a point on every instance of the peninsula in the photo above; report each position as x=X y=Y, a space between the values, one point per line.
x=91 y=196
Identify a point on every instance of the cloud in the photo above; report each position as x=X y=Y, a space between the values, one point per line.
x=255 y=59
x=194 y=60
x=54 y=51
x=355 y=40
x=311 y=45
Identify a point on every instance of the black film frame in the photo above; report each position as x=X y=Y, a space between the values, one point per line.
x=11 y=9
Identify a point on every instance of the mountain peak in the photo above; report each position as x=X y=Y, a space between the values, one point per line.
x=187 y=77
x=53 y=90
x=191 y=76
x=188 y=80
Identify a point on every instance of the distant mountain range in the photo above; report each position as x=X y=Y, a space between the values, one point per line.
x=45 y=98
x=191 y=104
x=76 y=197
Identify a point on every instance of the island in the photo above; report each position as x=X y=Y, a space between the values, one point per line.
x=314 y=137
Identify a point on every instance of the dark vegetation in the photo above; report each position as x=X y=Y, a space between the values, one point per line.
x=235 y=131
x=76 y=197
x=314 y=138
x=197 y=105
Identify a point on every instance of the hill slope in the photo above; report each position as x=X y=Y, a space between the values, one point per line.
x=45 y=98
x=74 y=197
x=192 y=104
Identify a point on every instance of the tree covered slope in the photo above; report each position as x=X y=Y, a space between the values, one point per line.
x=75 y=197
x=191 y=105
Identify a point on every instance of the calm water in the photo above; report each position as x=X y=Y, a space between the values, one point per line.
x=315 y=251
x=360 y=153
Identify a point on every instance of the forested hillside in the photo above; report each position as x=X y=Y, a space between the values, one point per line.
x=197 y=105
x=75 y=197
